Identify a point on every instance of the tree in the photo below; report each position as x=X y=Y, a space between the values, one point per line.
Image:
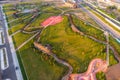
x=112 y=7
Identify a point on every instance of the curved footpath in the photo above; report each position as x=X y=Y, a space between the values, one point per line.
x=95 y=66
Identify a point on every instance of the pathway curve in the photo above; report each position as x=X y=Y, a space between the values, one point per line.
x=95 y=66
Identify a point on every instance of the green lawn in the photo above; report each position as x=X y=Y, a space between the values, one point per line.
x=88 y=29
x=37 y=65
x=115 y=44
x=72 y=47
x=19 y=38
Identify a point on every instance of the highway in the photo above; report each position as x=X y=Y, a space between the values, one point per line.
x=102 y=24
x=8 y=73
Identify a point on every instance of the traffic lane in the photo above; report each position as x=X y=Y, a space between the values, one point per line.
x=10 y=71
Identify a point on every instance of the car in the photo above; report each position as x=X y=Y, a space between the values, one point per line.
x=17 y=68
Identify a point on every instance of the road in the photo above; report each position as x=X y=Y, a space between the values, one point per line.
x=102 y=24
x=10 y=71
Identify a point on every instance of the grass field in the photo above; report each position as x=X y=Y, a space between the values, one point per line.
x=116 y=44
x=31 y=61
x=38 y=65
x=75 y=49
x=72 y=47
x=20 y=38
x=89 y=29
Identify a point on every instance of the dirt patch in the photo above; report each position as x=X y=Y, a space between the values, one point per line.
x=113 y=72
x=82 y=16
x=52 y=21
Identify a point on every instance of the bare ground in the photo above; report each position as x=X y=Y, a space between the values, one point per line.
x=113 y=72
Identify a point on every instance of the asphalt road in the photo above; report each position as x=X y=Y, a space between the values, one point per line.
x=10 y=71
x=102 y=24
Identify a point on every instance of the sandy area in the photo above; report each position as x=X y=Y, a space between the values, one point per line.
x=113 y=72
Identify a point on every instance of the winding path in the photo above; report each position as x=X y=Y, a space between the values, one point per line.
x=95 y=66
x=49 y=52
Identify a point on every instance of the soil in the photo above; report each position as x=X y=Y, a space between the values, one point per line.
x=113 y=72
